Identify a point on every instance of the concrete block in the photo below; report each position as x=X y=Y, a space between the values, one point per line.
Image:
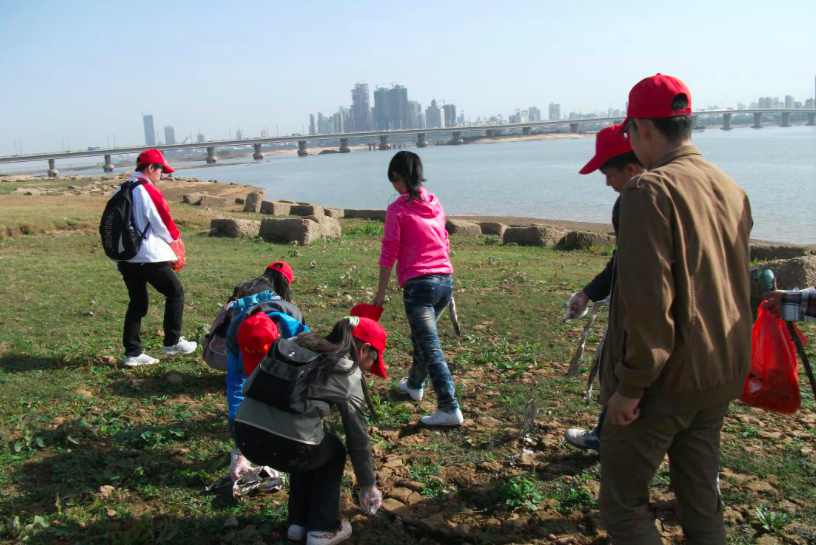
x=252 y=203
x=212 y=202
x=798 y=272
x=766 y=252
x=334 y=212
x=192 y=198
x=301 y=230
x=492 y=228
x=534 y=235
x=462 y=227
x=234 y=228
x=306 y=210
x=365 y=214
x=584 y=240
x=275 y=208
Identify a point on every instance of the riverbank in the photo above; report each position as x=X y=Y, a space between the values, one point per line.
x=127 y=453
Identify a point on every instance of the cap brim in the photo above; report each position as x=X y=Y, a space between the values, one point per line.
x=378 y=367
x=365 y=310
x=594 y=164
x=168 y=169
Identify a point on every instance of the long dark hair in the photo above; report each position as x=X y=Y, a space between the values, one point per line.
x=408 y=166
x=338 y=344
x=280 y=282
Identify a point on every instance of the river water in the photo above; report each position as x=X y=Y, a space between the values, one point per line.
x=776 y=167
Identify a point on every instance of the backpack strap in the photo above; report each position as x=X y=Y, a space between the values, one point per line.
x=131 y=185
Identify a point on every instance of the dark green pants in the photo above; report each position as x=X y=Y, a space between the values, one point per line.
x=630 y=456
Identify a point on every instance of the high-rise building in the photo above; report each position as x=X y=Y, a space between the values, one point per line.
x=809 y=104
x=555 y=112
x=360 y=108
x=433 y=116
x=533 y=114
x=200 y=138
x=321 y=124
x=238 y=135
x=312 y=127
x=789 y=101
x=382 y=108
x=149 y=130
x=169 y=134
x=449 y=115
x=399 y=107
x=414 y=115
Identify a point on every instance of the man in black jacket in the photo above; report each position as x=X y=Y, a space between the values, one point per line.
x=618 y=163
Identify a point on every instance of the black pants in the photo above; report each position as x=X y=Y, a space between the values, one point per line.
x=315 y=473
x=159 y=275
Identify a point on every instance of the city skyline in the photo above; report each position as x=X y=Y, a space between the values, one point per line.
x=578 y=55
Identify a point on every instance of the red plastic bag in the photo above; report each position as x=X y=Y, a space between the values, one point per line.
x=773 y=381
x=181 y=255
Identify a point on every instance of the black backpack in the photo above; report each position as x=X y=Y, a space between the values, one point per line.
x=283 y=378
x=121 y=239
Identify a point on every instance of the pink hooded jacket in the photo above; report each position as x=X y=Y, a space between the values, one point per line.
x=415 y=238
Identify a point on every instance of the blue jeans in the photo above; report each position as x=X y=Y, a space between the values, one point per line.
x=426 y=297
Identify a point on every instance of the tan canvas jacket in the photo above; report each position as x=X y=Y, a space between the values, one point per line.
x=680 y=321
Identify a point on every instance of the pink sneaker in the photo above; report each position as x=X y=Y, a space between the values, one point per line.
x=330 y=538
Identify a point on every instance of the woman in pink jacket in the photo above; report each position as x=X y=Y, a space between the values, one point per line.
x=416 y=240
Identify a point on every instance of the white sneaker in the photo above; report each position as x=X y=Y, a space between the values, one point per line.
x=583 y=439
x=443 y=418
x=416 y=395
x=141 y=359
x=183 y=346
x=296 y=533
x=330 y=538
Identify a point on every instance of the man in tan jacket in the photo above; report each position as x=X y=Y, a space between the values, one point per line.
x=679 y=340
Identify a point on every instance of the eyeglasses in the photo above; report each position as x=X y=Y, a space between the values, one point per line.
x=626 y=128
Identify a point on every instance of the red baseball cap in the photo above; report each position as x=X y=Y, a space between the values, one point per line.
x=364 y=310
x=255 y=336
x=284 y=268
x=609 y=143
x=652 y=97
x=371 y=332
x=154 y=157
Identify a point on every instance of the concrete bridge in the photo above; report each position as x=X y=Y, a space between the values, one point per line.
x=491 y=131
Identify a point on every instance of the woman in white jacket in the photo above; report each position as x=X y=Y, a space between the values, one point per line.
x=151 y=265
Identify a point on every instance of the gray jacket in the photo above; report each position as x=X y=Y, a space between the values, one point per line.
x=339 y=389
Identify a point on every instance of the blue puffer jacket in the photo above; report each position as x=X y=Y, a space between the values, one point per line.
x=289 y=322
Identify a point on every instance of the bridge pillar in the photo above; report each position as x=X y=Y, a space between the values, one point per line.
x=211 y=158
x=384 y=145
x=52 y=169
x=422 y=142
x=574 y=128
x=491 y=133
x=726 y=122
x=785 y=119
x=302 y=151
x=344 y=146
x=258 y=155
x=757 y=121
x=457 y=138
x=811 y=120
x=526 y=131
x=108 y=167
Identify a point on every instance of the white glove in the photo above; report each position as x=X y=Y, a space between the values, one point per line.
x=370 y=500
x=238 y=464
x=576 y=306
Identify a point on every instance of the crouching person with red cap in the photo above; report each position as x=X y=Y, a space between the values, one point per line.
x=152 y=264
x=280 y=422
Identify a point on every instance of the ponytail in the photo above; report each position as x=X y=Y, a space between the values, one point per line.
x=408 y=167
x=338 y=344
x=280 y=283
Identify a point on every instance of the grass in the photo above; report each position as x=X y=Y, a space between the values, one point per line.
x=74 y=423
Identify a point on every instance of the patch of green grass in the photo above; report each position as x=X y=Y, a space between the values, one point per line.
x=519 y=491
x=772 y=521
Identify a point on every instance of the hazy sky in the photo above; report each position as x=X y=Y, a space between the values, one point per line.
x=86 y=70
